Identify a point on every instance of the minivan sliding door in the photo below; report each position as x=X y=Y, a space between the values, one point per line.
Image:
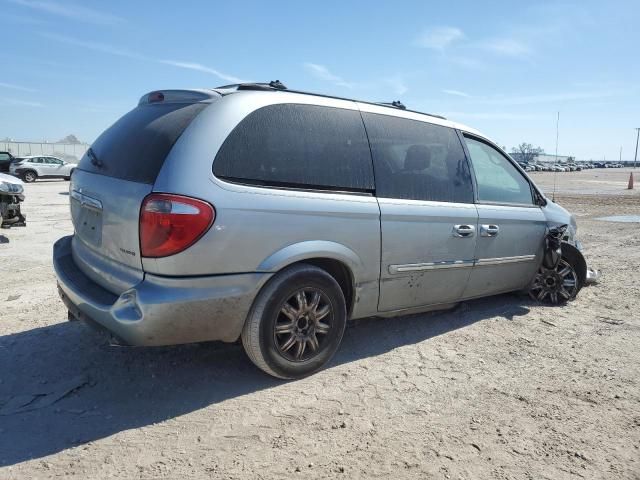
x=428 y=219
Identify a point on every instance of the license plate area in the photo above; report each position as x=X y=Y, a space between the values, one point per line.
x=87 y=218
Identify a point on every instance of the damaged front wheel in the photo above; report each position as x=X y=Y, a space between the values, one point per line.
x=556 y=285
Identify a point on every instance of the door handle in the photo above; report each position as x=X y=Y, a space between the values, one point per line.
x=464 y=231
x=489 y=230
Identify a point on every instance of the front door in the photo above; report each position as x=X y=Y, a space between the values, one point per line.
x=56 y=167
x=428 y=219
x=511 y=227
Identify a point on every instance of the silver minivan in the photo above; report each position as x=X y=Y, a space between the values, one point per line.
x=259 y=213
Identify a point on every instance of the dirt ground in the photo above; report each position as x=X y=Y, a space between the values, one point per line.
x=499 y=388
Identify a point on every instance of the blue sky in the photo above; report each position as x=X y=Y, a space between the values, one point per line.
x=505 y=68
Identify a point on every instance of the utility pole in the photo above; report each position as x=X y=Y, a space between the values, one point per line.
x=635 y=159
x=555 y=174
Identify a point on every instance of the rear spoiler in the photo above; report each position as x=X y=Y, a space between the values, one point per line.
x=179 y=96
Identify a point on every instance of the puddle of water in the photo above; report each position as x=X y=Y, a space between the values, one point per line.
x=621 y=218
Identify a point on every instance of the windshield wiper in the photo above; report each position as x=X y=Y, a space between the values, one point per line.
x=95 y=161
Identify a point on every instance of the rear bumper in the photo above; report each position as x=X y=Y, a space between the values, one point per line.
x=160 y=310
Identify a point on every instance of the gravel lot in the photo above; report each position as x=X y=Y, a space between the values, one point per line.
x=497 y=388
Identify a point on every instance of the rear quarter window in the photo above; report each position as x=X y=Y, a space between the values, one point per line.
x=136 y=146
x=298 y=146
x=418 y=160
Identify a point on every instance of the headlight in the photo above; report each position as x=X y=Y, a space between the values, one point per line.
x=7 y=187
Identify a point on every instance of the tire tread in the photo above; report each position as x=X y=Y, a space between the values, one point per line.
x=251 y=329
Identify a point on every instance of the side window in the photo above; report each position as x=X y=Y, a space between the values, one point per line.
x=55 y=161
x=418 y=160
x=296 y=145
x=4 y=157
x=497 y=179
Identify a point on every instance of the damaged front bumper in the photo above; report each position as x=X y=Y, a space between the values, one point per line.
x=10 y=213
x=593 y=275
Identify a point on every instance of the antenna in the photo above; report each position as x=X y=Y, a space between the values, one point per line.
x=555 y=174
x=635 y=159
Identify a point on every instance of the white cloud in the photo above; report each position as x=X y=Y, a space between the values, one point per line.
x=323 y=73
x=22 y=19
x=202 y=68
x=509 y=47
x=75 y=12
x=19 y=103
x=439 y=38
x=16 y=87
x=456 y=93
x=466 y=62
x=396 y=84
x=111 y=50
x=491 y=115
x=98 y=47
x=550 y=97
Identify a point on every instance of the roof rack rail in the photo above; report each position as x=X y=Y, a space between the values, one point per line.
x=395 y=103
x=273 y=85
x=278 y=85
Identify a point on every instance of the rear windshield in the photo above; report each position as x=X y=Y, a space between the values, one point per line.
x=135 y=147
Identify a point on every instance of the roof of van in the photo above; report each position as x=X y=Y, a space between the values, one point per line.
x=395 y=105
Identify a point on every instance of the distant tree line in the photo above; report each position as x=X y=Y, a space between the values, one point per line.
x=525 y=152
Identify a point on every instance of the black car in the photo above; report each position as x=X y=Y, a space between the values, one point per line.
x=5 y=160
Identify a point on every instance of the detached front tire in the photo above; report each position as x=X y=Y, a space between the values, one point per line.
x=296 y=323
x=563 y=283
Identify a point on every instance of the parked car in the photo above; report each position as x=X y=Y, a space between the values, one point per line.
x=252 y=213
x=33 y=167
x=11 y=196
x=5 y=160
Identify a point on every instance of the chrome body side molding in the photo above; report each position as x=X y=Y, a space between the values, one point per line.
x=418 y=267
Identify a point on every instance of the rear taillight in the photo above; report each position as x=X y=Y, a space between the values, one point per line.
x=171 y=223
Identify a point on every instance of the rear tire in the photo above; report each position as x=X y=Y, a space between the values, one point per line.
x=29 y=176
x=296 y=323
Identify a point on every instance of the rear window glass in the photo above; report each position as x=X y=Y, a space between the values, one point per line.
x=418 y=160
x=304 y=146
x=135 y=147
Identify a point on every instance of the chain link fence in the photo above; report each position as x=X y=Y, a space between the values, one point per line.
x=71 y=152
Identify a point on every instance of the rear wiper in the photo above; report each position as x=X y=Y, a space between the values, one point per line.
x=95 y=161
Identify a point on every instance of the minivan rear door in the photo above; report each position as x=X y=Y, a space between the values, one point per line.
x=428 y=219
x=113 y=178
